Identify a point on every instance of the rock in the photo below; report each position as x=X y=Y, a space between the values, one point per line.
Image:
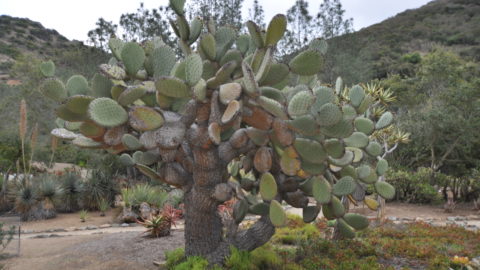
x=392 y=218
x=475 y=262
x=59 y=230
x=124 y=225
x=128 y=215
x=103 y=226
x=451 y=218
x=418 y=219
x=145 y=210
x=115 y=225
x=92 y=227
x=82 y=228
x=71 y=229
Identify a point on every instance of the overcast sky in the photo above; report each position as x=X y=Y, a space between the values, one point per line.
x=74 y=19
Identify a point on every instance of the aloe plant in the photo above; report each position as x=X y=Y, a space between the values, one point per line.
x=229 y=120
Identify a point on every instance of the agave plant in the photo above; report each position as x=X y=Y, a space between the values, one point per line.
x=97 y=187
x=160 y=225
x=25 y=201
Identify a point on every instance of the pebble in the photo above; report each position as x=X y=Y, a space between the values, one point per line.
x=103 y=226
x=124 y=225
x=92 y=227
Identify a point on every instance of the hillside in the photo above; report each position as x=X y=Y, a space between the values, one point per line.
x=23 y=45
x=390 y=46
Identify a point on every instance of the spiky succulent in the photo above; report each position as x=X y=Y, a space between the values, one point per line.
x=286 y=136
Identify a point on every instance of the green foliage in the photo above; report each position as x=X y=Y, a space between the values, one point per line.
x=414 y=187
x=83 y=215
x=153 y=195
x=192 y=263
x=174 y=257
x=98 y=186
x=72 y=187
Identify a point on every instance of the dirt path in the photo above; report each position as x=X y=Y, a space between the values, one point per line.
x=125 y=250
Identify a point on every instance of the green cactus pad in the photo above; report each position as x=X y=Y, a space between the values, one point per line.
x=116 y=46
x=276 y=29
x=145 y=118
x=357 y=153
x=323 y=96
x=85 y=142
x=79 y=103
x=133 y=57
x=346 y=230
x=113 y=72
x=163 y=60
x=229 y=92
x=307 y=63
x=240 y=210
x=208 y=46
x=278 y=217
x=348 y=171
x=334 y=148
x=200 y=91
x=255 y=34
x=101 y=86
x=73 y=126
x=232 y=55
x=91 y=130
x=107 y=112
x=382 y=167
x=116 y=91
x=77 y=85
x=289 y=165
x=249 y=82
x=346 y=160
x=47 y=68
x=261 y=209
x=258 y=137
x=54 y=89
x=272 y=106
x=339 y=86
x=371 y=178
x=310 y=213
x=300 y=103
x=328 y=212
x=346 y=185
x=385 y=190
x=243 y=43
x=305 y=125
x=366 y=103
x=364 y=125
x=177 y=6
x=385 y=120
x=195 y=29
x=329 y=115
x=371 y=204
x=319 y=45
x=357 y=139
x=126 y=160
x=276 y=74
x=349 y=113
x=363 y=171
x=148 y=172
x=321 y=190
x=358 y=222
x=172 y=87
x=64 y=113
x=132 y=93
x=313 y=169
x=374 y=149
x=268 y=187
x=356 y=95
x=272 y=93
x=131 y=142
x=342 y=129
x=193 y=69
x=338 y=209
x=310 y=151
x=63 y=134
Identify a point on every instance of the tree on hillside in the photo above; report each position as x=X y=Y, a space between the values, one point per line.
x=257 y=14
x=299 y=31
x=231 y=124
x=138 y=26
x=223 y=12
x=330 y=20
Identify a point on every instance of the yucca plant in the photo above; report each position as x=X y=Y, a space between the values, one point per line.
x=83 y=215
x=72 y=187
x=99 y=186
x=25 y=201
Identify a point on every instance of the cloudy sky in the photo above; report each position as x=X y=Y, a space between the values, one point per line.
x=74 y=19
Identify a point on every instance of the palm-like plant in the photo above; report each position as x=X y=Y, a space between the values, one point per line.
x=72 y=188
x=25 y=200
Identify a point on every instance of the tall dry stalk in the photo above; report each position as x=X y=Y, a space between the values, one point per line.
x=33 y=142
x=23 y=130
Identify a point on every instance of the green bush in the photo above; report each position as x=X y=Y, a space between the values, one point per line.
x=193 y=263
x=72 y=187
x=153 y=195
x=174 y=257
x=96 y=187
x=414 y=187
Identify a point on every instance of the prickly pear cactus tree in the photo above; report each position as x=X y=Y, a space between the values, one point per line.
x=228 y=120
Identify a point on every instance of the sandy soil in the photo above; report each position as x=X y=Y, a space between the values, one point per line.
x=62 y=221
x=127 y=248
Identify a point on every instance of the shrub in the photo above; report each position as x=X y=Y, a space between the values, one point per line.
x=72 y=187
x=6 y=236
x=153 y=195
x=97 y=187
x=83 y=215
x=193 y=263
x=414 y=187
x=174 y=257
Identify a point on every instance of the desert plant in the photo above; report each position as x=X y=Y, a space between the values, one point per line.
x=25 y=201
x=160 y=225
x=154 y=196
x=103 y=206
x=72 y=187
x=273 y=122
x=83 y=215
x=98 y=186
